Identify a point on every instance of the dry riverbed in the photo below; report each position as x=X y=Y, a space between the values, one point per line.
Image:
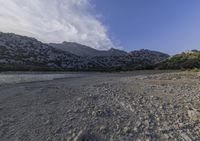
x=133 y=106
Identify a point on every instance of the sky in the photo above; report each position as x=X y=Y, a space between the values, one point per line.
x=170 y=26
x=55 y=21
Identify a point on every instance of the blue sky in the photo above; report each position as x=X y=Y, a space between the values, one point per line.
x=170 y=26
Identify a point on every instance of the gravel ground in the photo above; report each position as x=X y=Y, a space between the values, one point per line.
x=135 y=106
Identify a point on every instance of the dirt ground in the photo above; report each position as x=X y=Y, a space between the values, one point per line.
x=132 y=106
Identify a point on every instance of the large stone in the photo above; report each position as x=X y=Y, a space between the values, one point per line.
x=194 y=115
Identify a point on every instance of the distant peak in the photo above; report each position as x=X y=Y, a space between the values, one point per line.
x=112 y=49
x=74 y=43
x=65 y=42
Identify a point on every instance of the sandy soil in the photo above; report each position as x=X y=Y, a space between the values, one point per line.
x=135 y=106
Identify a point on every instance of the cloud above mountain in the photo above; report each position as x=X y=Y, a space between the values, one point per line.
x=54 y=21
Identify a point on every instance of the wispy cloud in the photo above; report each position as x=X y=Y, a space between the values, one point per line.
x=54 y=21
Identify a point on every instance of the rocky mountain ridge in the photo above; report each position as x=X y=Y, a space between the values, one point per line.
x=85 y=51
x=25 y=53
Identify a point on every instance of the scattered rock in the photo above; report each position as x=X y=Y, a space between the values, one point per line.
x=58 y=130
x=85 y=136
x=47 y=122
x=103 y=129
x=101 y=113
x=120 y=110
x=126 y=130
x=194 y=115
x=185 y=137
x=144 y=139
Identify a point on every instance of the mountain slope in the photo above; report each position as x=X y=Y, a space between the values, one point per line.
x=85 y=51
x=152 y=56
x=24 y=53
x=187 y=60
x=139 y=59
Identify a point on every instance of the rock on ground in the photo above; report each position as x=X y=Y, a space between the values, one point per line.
x=138 y=106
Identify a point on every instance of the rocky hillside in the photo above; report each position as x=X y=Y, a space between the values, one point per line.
x=114 y=59
x=185 y=60
x=85 y=51
x=24 y=53
x=151 y=56
x=139 y=59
